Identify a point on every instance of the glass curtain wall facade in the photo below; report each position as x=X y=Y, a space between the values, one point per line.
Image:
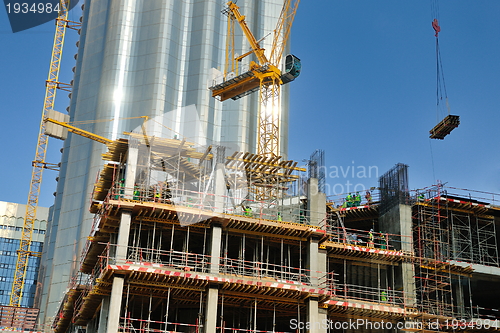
x=146 y=58
x=11 y=223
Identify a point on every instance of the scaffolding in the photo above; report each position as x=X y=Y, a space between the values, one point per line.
x=197 y=250
x=18 y=318
x=458 y=226
x=451 y=229
x=176 y=202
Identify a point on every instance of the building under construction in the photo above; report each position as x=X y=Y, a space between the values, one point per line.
x=196 y=239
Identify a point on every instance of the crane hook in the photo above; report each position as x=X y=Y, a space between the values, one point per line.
x=436 y=27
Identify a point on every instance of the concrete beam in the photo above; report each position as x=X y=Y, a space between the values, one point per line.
x=478 y=269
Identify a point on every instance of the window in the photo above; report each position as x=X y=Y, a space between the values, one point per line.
x=18 y=228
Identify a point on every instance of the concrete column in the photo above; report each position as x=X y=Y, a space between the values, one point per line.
x=314 y=317
x=123 y=235
x=312 y=256
x=316 y=262
x=316 y=203
x=103 y=315
x=220 y=179
x=215 y=249
x=211 y=309
x=322 y=317
x=398 y=221
x=130 y=172
x=115 y=304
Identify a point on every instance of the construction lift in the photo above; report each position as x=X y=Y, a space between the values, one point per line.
x=39 y=164
x=263 y=76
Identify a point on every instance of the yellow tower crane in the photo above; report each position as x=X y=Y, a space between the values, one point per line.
x=264 y=75
x=52 y=84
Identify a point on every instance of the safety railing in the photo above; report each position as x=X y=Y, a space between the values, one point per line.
x=136 y=325
x=196 y=262
x=264 y=269
x=352 y=292
x=363 y=293
x=170 y=258
x=380 y=240
x=354 y=199
x=209 y=202
x=431 y=192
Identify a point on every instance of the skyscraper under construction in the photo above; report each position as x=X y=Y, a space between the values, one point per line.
x=190 y=230
x=136 y=59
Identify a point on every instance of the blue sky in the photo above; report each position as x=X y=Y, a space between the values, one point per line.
x=366 y=95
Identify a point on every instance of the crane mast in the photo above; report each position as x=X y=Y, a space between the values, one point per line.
x=52 y=84
x=264 y=75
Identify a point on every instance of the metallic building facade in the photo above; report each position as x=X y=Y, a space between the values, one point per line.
x=11 y=224
x=145 y=58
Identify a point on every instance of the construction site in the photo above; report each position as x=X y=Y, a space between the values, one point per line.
x=197 y=236
x=229 y=243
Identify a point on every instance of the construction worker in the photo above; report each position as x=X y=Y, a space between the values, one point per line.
x=121 y=189
x=349 y=200
x=383 y=241
x=368 y=197
x=383 y=296
x=136 y=193
x=421 y=197
x=157 y=195
x=344 y=204
x=370 y=238
x=248 y=211
x=358 y=200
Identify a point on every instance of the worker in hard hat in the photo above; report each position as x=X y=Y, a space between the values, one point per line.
x=371 y=238
x=248 y=211
x=357 y=200
x=349 y=200
x=368 y=197
x=383 y=241
x=383 y=296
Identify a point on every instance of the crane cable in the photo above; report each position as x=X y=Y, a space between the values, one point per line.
x=440 y=82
